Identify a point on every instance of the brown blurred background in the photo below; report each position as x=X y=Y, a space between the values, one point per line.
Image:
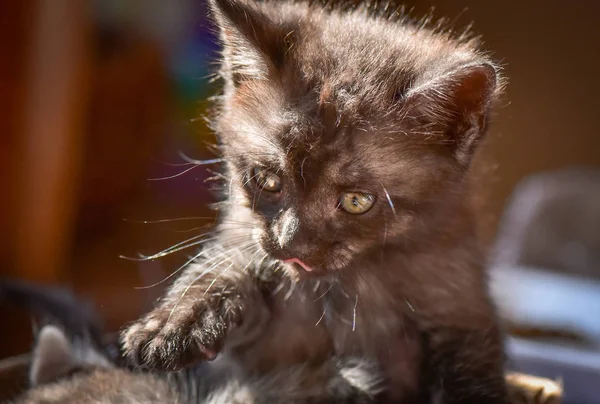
x=98 y=97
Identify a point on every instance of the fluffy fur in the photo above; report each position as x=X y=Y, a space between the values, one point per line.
x=334 y=101
x=67 y=371
x=69 y=366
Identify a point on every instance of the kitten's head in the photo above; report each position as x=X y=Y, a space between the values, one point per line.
x=343 y=131
x=67 y=370
x=56 y=356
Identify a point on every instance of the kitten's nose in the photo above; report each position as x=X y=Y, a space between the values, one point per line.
x=294 y=244
x=286 y=228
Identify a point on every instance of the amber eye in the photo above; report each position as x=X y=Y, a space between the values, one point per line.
x=266 y=180
x=356 y=202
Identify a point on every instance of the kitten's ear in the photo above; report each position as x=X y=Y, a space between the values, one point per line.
x=56 y=355
x=253 y=43
x=53 y=356
x=459 y=103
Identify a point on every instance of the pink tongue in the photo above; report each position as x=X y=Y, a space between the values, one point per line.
x=297 y=261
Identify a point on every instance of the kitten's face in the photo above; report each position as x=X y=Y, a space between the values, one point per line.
x=323 y=193
x=339 y=144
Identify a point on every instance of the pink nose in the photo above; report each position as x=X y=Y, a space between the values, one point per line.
x=299 y=262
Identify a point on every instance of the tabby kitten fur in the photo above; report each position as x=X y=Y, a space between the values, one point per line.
x=66 y=370
x=347 y=229
x=70 y=364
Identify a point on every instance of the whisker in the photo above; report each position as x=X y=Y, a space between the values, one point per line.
x=215 y=279
x=387 y=195
x=209 y=269
x=177 y=247
x=171 y=164
x=324 y=293
x=215 y=264
x=230 y=187
x=322 y=315
x=278 y=288
x=169 y=220
x=302 y=170
x=190 y=160
x=225 y=270
x=181 y=245
x=249 y=179
x=290 y=291
x=254 y=198
x=238 y=225
x=259 y=264
x=258 y=250
x=175 y=175
x=354 y=314
x=189 y=261
x=189 y=230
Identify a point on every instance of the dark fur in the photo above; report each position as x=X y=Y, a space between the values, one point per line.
x=338 y=101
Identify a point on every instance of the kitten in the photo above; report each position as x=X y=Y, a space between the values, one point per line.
x=65 y=371
x=71 y=365
x=347 y=136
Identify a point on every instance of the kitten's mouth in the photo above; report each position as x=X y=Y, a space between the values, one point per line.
x=298 y=262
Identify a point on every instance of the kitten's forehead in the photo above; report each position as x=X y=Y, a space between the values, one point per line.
x=309 y=128
x=347 y=158
x=349 y=54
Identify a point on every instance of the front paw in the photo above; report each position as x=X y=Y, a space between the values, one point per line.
x=171 y=339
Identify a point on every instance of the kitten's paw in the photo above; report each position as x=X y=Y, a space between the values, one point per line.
x=168 y=339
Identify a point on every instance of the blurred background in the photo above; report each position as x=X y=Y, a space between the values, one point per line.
x=101 y=100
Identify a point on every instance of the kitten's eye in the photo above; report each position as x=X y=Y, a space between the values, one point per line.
x=356 y=202
x=266 y=180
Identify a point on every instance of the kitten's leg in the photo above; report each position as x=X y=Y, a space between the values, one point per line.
x=190 y=324
x=469 y=365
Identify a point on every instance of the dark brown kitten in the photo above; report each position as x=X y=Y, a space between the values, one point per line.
x=348 y=138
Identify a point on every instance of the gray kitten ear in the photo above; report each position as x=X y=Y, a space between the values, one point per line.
x=254 y=45
x=458 y=104
x=53 y=356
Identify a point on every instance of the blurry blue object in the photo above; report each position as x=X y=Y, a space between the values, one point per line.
x=545 y=276
x=549 y=301
x=546 y=300
x=553 y=221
